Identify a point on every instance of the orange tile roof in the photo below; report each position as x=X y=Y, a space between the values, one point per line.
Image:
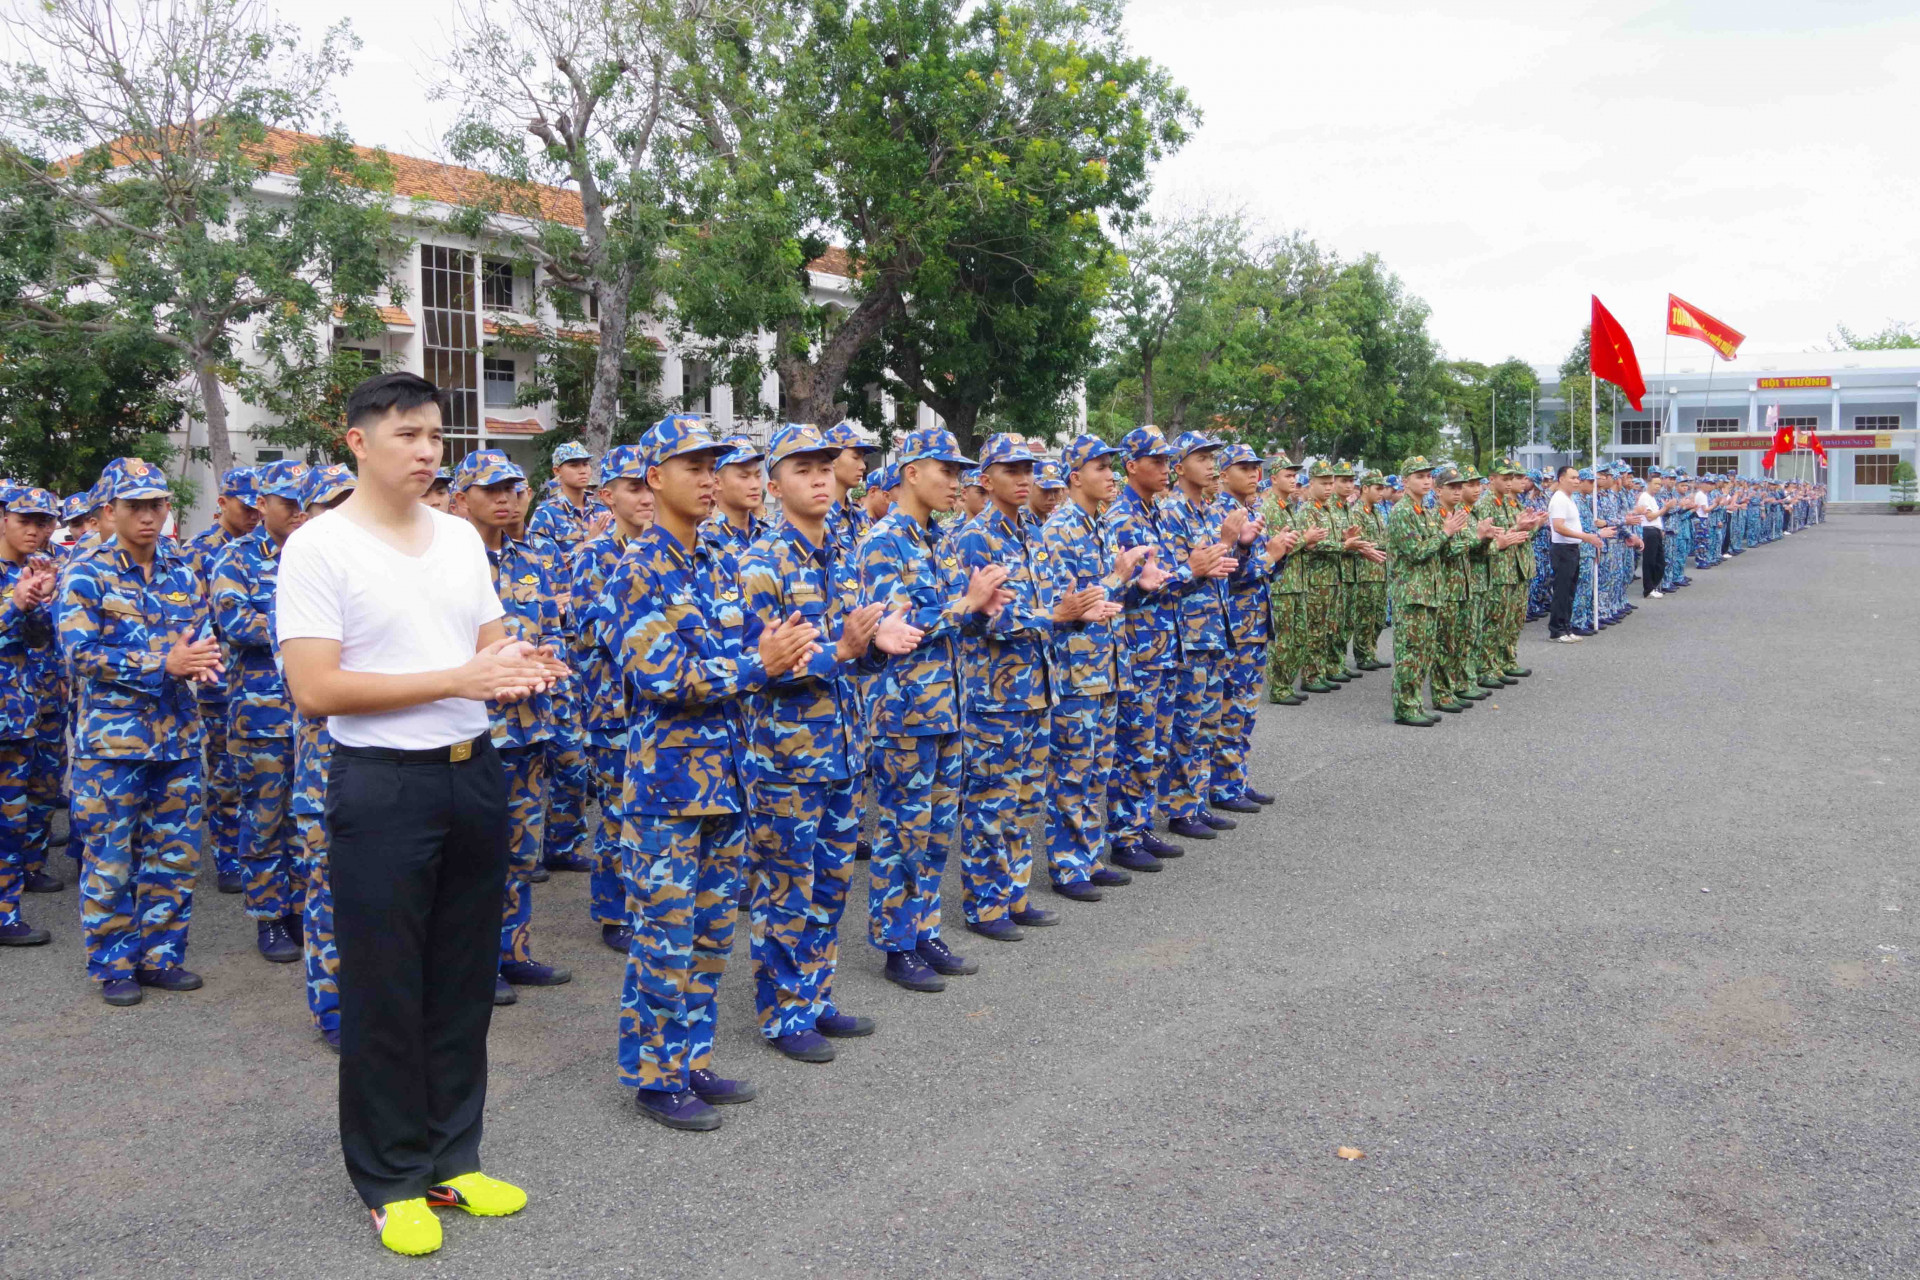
x=511 y=427
x=496 y=329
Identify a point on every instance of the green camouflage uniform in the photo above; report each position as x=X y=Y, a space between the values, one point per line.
x=1368 y=611
x=1285 y=653
x=1414 y=547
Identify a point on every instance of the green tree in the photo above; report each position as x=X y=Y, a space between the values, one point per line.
x=188 y=202
x=1398 y=409
x=922 y=137
x=1571 y=431
x=1483 y=403
x=1897 y=335
x=1171 y=274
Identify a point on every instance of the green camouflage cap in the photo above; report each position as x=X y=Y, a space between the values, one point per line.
x=1509 y=466
x=1342 y=467
x=1446 y=473
x=1281 y=462
x=1415 y=463
x=1371 y=477
x=1470 y=473
x=1321 y=467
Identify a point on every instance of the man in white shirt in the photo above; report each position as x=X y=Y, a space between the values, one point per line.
x=1565 y=535
x=1653 y=557
x=389 y=626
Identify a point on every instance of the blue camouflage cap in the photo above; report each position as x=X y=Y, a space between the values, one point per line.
x=1394 y=482
x=846 y=434
x=571 y=451
x=622 y=462
x=1188 y=443
x=1145 y=442
x=742 y=449
x=1234 y=454
x=793 y=439
x=935 y=444
x=1585 y=473
x=25 y=500
x=1048 y=475
x=282 y=479
x=1006 y=447
x=324 y=484
x=442 y=476
x=238 y=482
x=78 y=506
x=1083 y=449
x=486 y=467
x=132 y=479
x=887 y=478
x=970 y=479
x=676 y=436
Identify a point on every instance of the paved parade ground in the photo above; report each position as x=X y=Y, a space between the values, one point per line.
x=1613 y=975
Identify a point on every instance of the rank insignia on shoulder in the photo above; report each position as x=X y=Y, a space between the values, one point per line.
x=530 y=578
x=178 y=597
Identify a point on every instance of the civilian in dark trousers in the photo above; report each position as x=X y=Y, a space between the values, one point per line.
x=1565 y=559
x=1653 y=561
x=419 y=866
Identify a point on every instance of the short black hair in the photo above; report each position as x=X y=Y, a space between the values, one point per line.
x=1561 y=474
x=385 y=393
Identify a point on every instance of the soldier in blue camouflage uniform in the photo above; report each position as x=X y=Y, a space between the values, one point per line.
x=259 y=712
x=1151 y=631
x=489 y=481
x=1090 y=670
x=915 y=708
x=805 y=741
x=1191 y=522
x=1007 y=690
x=688 y=651
x=135 y=630
x=847 y=520
x=623 y=476
x=47 y=777
x=739 y=501
x=27 y=584
x=236 y=515
x=568 y=514
x=1249 y=631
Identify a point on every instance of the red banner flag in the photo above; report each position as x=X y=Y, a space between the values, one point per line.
x=1813 y=443
x=1783 y=440
x=1611 y=355
x=1688 y=321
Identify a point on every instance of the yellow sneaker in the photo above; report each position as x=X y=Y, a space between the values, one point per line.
x=407 y=1227
x=479 y=1195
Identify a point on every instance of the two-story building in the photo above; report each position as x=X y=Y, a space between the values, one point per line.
x=1717 y=418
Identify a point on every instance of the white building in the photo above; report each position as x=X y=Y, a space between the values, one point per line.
x=1712 y=417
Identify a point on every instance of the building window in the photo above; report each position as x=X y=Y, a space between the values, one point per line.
x=1874 y=468
x=451 y=341
x=696 y=386
x=496 y=285
x=369 y=358
x=1722 y=464
x=1717 y=424
x=1876 y=422
x=1636 y=431
x=455 y=447
x=1801 y=424
x=1639 y=466
x=500 y=382
x=264 y=456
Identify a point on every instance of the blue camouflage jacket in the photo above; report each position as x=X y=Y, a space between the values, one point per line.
x=916 y=695
x=847 y=523
x=1151 y=623
x=596 y=649
x=1203 y=603
x=688 y=650
x=562 y=522
x=26 y=637
x=1249 y=588
x=1006 y=665
x=115 y=625
x=245 y=574
x=200 y=551
x=807 y=725
x=533 y=614
x=1089 y=658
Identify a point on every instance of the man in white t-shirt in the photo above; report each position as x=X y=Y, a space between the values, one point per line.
x=1653 y=532
x=389 y=626
x=1565 y=534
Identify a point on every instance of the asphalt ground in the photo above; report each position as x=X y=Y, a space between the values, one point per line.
x=1611 y=976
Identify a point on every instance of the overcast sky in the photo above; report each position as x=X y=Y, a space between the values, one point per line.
x=1760 y=158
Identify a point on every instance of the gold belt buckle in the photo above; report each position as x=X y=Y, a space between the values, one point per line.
x=461 y=751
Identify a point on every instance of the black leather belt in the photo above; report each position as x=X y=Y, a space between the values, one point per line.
x=454 y=754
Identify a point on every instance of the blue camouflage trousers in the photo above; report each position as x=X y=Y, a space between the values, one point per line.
x=266 y=825
x=1245 y=668
x=46 y=787
x=1143 y=734
x=916 y=788
x=1080 y=752
x=606 y=888
x=801 y=838
x=684 y=877
x=526 y=770
x=16 y=816
x=140 y=829
x=223 y=791
x=569 y=780
x=1196 y=726
x=1001 y=790
x=316 y=918
x=1583 y=589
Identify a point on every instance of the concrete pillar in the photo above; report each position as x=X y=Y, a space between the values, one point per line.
x=1753 y=407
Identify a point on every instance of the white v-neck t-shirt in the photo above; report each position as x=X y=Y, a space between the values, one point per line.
x=394 y=614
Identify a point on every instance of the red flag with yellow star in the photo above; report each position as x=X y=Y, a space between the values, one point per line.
x=1611 y=355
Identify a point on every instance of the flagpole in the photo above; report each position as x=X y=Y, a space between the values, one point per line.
x=1593 y=461
x=1666 y=398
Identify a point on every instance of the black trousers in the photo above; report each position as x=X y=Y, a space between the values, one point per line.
x=1565 y=559
x=1653 y=561
x=419 y=867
